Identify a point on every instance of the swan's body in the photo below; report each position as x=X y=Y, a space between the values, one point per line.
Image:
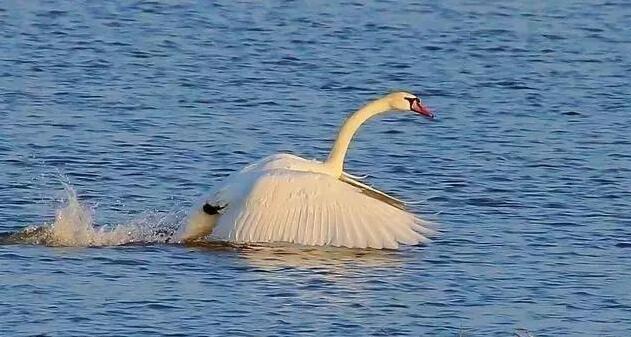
x=285 y=198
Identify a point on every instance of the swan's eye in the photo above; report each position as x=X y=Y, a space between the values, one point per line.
x=411 y=100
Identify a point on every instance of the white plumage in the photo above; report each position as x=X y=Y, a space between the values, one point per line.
x=285 y=198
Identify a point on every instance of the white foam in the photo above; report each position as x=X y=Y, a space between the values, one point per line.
x=74 y=226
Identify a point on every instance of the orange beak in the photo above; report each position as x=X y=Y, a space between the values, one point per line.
x=421 y=109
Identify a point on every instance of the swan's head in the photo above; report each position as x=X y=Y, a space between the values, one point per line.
x=404 y=101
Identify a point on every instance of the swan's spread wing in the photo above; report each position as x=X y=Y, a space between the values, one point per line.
x=372 y=192
x=352 y=176
x=316 y=209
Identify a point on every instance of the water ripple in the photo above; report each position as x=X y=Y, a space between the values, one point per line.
x=145 y=106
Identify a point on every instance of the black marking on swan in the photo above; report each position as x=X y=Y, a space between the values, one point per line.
x=212 y=210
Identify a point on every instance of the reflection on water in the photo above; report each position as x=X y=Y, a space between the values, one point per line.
x=279 y=255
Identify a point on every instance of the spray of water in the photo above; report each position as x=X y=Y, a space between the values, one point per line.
x=74 y=226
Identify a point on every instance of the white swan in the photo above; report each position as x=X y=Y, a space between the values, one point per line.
x=285 y=198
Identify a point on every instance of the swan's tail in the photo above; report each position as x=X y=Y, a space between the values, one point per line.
x=200 y=224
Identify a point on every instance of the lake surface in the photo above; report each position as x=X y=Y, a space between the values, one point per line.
x=143 y=107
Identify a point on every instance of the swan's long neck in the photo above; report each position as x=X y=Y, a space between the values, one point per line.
x=335 y=162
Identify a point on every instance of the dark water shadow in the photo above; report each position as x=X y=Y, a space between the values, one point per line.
x=28 y=236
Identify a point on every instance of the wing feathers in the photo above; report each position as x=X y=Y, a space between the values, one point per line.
x=339 y=230
x=316 y=209
x=373 y=192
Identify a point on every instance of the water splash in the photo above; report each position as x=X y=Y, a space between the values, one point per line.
x=74 y=227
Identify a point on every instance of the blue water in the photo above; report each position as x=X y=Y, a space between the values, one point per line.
x=142 y=107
